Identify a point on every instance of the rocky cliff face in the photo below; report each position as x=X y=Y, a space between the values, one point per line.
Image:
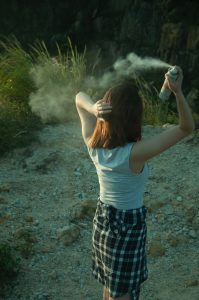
x=165 y=29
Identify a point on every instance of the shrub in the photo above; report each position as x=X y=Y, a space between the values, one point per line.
x=15 y=63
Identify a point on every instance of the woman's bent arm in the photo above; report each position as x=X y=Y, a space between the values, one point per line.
x=86 y=110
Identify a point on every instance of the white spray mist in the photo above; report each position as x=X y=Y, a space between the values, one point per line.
x=54 y=93
x=126 y=67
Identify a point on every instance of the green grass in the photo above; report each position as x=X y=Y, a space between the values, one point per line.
x=156 y=111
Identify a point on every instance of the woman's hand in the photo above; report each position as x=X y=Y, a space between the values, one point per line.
x=101 y=108
x=175 y=85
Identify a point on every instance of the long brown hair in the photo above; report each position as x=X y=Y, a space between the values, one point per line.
x=123 y=124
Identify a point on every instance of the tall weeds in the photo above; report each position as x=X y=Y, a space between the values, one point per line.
x=156 y=111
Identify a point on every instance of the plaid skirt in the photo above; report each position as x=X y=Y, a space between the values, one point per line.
x=118 y=249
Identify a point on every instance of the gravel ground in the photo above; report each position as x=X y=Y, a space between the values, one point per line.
x=48 y=193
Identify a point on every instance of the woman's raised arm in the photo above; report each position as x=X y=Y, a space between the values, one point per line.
x=150 y=147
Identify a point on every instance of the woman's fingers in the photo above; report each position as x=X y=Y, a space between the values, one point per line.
x=104 y=108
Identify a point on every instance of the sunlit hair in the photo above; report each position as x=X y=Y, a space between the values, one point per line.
x=123 y=125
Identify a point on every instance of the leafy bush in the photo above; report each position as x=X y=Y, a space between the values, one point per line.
x=15 y=63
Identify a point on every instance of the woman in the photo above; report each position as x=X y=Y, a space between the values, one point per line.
x=111 y=129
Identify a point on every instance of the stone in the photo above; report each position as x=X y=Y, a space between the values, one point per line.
x=47 y=248
x=53 y=275
x=175 y=240
x=190 y=213
x=86 y=208
x=156 y=249
x=5 y=188
x=179 y=198
x=68 y=234
x=4 y=218
x=192 y=282
x=193 y=234
x=3 y=200
x=154 y=204
x=26 y=234
x=29 y=219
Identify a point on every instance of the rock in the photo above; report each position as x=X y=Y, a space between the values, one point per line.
x=156 y=249
x=4 y=218
x=3 y=200
x=53 y=275
x=26 y=248
x=174 y=240
x=160 y=217
x=29 y=219
x=179 y=198
x=43 y=296
x=84 y=209
x=154 y=204
x=168 y=125
x=193 y=234
x=68 y=234
x=5 y=188
x=192 y=282
x=190 y=213
x=26 y=234
x=47 y=248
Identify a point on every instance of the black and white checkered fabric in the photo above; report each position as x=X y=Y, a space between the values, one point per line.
x=118 y=249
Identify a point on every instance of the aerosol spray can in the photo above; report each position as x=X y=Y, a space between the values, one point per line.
x=165 y=92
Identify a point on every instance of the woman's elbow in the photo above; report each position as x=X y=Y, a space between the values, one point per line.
x=77 y=98
x=189 y=130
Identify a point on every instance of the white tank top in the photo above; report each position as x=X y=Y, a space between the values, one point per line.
x=119 y=186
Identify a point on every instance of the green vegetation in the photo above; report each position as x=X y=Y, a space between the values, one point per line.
x=156 y=111
x=23 y=74
x=9 y=263
x=17 y=123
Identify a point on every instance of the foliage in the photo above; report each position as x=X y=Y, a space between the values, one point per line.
x=15 y=63
x=21 y=75
x=9 y=263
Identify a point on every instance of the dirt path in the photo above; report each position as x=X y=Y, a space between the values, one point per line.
x=44 y=185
